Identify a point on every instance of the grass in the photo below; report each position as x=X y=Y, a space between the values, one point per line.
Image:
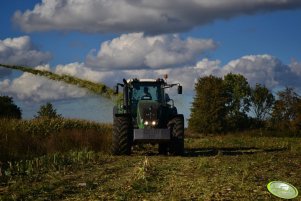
x=213 y=168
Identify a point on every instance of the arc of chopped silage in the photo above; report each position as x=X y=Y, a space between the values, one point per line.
x=97 y=88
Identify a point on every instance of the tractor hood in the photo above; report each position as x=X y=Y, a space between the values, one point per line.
x=148 y=113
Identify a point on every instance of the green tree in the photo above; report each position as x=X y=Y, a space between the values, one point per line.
x=262 y=101
x=296 y=122
x=47 y=111
x=208 y=108
x=238 y=93
x=8 y=109
x=287 y=110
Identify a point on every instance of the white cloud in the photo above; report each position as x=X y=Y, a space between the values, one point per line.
x=109 y=77
x=157 y=16
x=34 y=88
x=21 y=51
x=263 y=69
x=132 y=51
x=78 y=70
x=296 y=67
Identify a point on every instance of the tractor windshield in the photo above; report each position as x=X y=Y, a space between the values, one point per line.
x=146 y=91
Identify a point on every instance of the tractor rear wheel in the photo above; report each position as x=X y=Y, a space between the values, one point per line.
x=122 y=136
x=176 y=146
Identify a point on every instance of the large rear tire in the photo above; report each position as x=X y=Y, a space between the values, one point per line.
x=122 y=136
x=176 y=125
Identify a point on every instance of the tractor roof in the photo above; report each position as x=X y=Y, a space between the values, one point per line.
x=144 y=80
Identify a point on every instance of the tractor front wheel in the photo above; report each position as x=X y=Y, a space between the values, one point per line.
x=122 y=136
x=176 y=125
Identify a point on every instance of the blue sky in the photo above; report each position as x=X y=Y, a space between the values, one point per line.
x=104 y=42
x=276 y=33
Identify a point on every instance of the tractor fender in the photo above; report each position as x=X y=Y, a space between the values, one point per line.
x=176 y=115
x=171 y=122
x=116 y=112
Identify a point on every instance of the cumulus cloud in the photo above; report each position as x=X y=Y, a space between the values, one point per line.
x=185 y=75
x=296 y=67
x=34 y=88
x=263 y=69
x=109 y=77
x=138 y=51
x=20 y=51
x=157 y=16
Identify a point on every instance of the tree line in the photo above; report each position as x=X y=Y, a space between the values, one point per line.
x=9 y=110
x=230 y=104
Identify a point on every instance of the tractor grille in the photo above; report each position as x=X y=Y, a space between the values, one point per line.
x=148 y=110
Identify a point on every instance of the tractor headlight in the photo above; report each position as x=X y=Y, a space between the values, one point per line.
x=154 y=123
x=150 y=123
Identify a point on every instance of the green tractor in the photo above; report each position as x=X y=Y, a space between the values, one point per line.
x=147 y=115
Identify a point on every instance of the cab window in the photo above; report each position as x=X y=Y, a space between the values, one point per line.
x=146 y=92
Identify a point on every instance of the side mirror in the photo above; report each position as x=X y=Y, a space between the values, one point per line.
x=116 y=89
x=180 y=89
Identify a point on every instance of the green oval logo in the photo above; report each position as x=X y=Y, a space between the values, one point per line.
x=282 y=189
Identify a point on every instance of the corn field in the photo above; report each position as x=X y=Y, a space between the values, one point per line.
x=24 y=139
